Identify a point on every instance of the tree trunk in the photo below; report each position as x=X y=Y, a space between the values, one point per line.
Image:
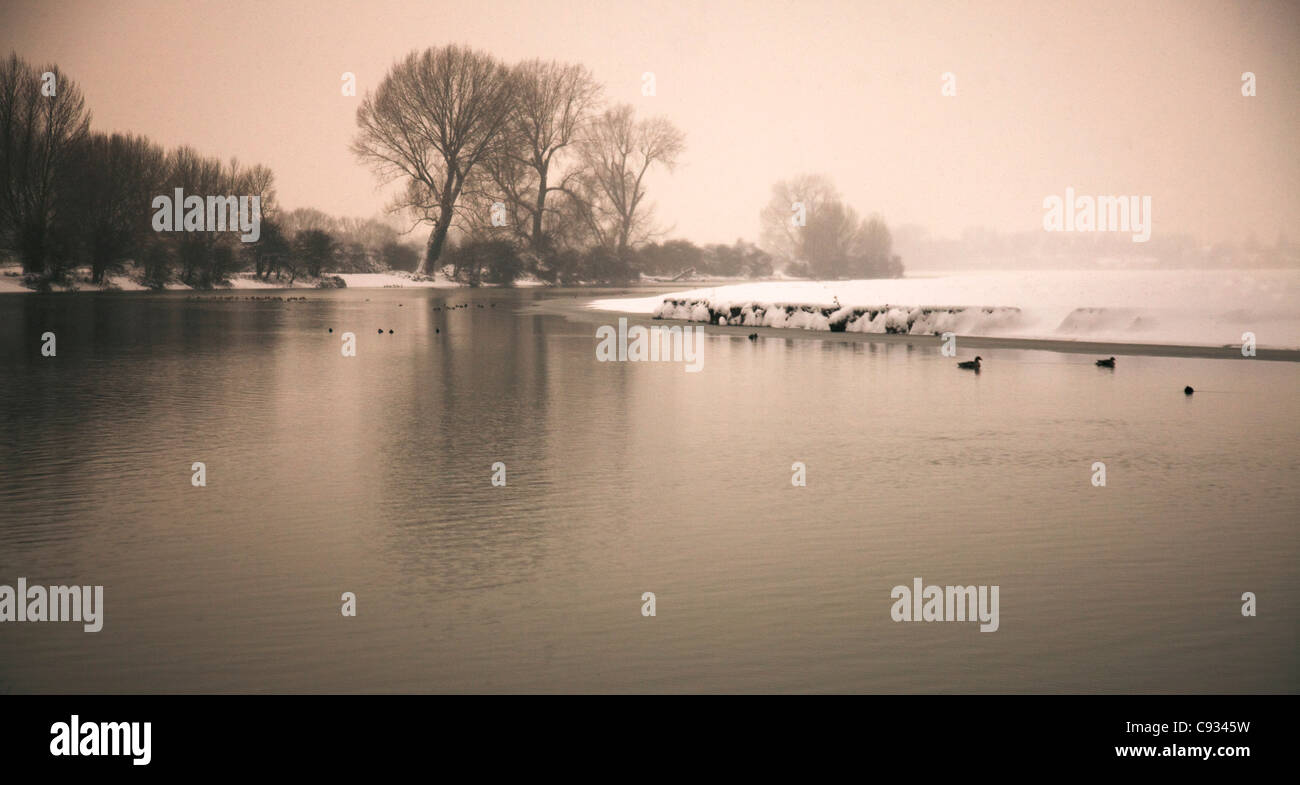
x=541 y=208
x=99 y=262
x=436 y=240
x=31 y=248
x=624 y=238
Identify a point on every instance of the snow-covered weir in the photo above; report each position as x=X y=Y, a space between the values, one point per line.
x=1212 y=308
x=918 y=320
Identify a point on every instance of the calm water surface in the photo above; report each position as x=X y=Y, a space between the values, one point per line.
x=372 y=475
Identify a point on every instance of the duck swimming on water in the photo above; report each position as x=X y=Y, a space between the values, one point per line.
x=973 y=365
x=1107 y=363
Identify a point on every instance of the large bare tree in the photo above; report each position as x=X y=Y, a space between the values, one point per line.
x=43 y=121
x=436 y=116
x=617 y=154
x=554 y=104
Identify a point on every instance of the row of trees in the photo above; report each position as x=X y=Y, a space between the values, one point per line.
x=43 y=120
x=346 y=245
x=70 y=196
x=517 y=169
x=524 y=154
x=674 y=257
x=500 y=261
x=534 y=173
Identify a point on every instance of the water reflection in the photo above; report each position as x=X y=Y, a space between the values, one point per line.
x=372 y=474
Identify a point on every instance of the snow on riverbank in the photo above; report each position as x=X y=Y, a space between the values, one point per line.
x=388 y=280
x=11 y=282
x=395 y=280
x=1178 y=307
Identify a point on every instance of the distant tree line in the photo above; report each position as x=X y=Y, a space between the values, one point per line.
x=72 y=197
x=517 y=170
x=527 y=169
x=322 y=243
x=501 y=261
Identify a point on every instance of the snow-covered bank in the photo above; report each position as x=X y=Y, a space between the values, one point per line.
x=1174 y=307
x=394 y=279
x=11 y=281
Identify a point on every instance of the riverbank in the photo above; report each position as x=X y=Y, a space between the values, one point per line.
x=11 y=282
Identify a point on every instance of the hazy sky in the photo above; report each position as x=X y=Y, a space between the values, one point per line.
x=1122 y=97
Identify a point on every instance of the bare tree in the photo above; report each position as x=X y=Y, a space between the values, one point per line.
x=617 y=154
x=813 y=232
x=316 y=248
x=794 y=203
x=832 y=240
x=271 y=243
x=39 y=132
x=256 y=180
x=434 y=118
x=303 y=219
x=554 y=103
x=876 y=248
x=116 y=179
x=198 y=176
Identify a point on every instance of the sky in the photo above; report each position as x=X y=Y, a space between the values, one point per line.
x=1109 y=98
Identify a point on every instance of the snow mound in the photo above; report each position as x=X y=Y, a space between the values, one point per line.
x=1172 y=307
x=857 y=319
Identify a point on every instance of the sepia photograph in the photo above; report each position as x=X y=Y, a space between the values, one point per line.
x=935 y=351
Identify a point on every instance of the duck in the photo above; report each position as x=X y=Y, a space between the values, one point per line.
x=973 y=365
x=1107 y=363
